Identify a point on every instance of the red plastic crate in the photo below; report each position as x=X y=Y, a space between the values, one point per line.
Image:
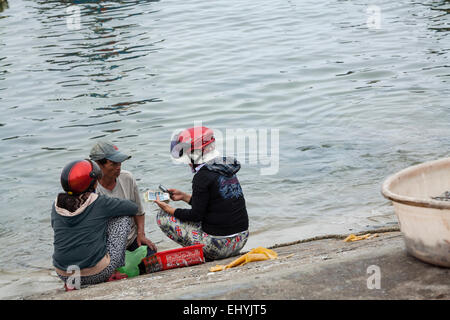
x=175 y=258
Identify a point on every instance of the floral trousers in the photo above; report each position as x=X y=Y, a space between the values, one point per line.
x=188 y=233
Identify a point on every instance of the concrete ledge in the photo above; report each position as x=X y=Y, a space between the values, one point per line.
x=325 y=268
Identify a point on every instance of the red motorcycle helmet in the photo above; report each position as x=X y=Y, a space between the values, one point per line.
x=195 y=140
x=80 y=176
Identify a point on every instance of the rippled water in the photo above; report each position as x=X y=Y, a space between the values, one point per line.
x=352 y=104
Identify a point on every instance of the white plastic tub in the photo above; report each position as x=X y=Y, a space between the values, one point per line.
x=424 y=222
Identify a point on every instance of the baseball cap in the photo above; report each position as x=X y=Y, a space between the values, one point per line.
x=107 y=150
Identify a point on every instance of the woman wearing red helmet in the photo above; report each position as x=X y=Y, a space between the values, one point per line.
x=90 y=231
x=218 y=217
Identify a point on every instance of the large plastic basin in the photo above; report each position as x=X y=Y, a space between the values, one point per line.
x=424 y=222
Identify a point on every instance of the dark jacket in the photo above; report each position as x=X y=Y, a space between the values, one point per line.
x=217 y=199
x=80 y=237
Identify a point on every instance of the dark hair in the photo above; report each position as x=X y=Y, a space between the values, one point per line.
x=102 y=161
x=72 y=202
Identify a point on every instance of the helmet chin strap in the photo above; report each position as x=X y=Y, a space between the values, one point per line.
x=195 y=162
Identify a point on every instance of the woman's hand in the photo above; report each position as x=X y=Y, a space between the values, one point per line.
x=177 y=195
x=164 y=206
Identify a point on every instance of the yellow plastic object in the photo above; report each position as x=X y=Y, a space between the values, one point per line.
x=257 y=254
x=352 y=237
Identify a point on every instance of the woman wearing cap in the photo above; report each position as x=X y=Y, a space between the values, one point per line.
x=90 y=231
x=218 y=217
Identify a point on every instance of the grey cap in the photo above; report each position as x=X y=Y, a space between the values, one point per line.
x=107 y=150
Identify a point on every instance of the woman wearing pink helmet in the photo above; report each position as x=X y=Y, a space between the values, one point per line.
x=218 y=215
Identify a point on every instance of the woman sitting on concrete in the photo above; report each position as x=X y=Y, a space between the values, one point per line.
x=218 y=217
x=90 y=231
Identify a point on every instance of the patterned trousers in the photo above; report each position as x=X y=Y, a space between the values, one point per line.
x=117 y=235
x=188 y=233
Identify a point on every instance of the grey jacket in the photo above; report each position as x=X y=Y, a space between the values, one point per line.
x=80 y=236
